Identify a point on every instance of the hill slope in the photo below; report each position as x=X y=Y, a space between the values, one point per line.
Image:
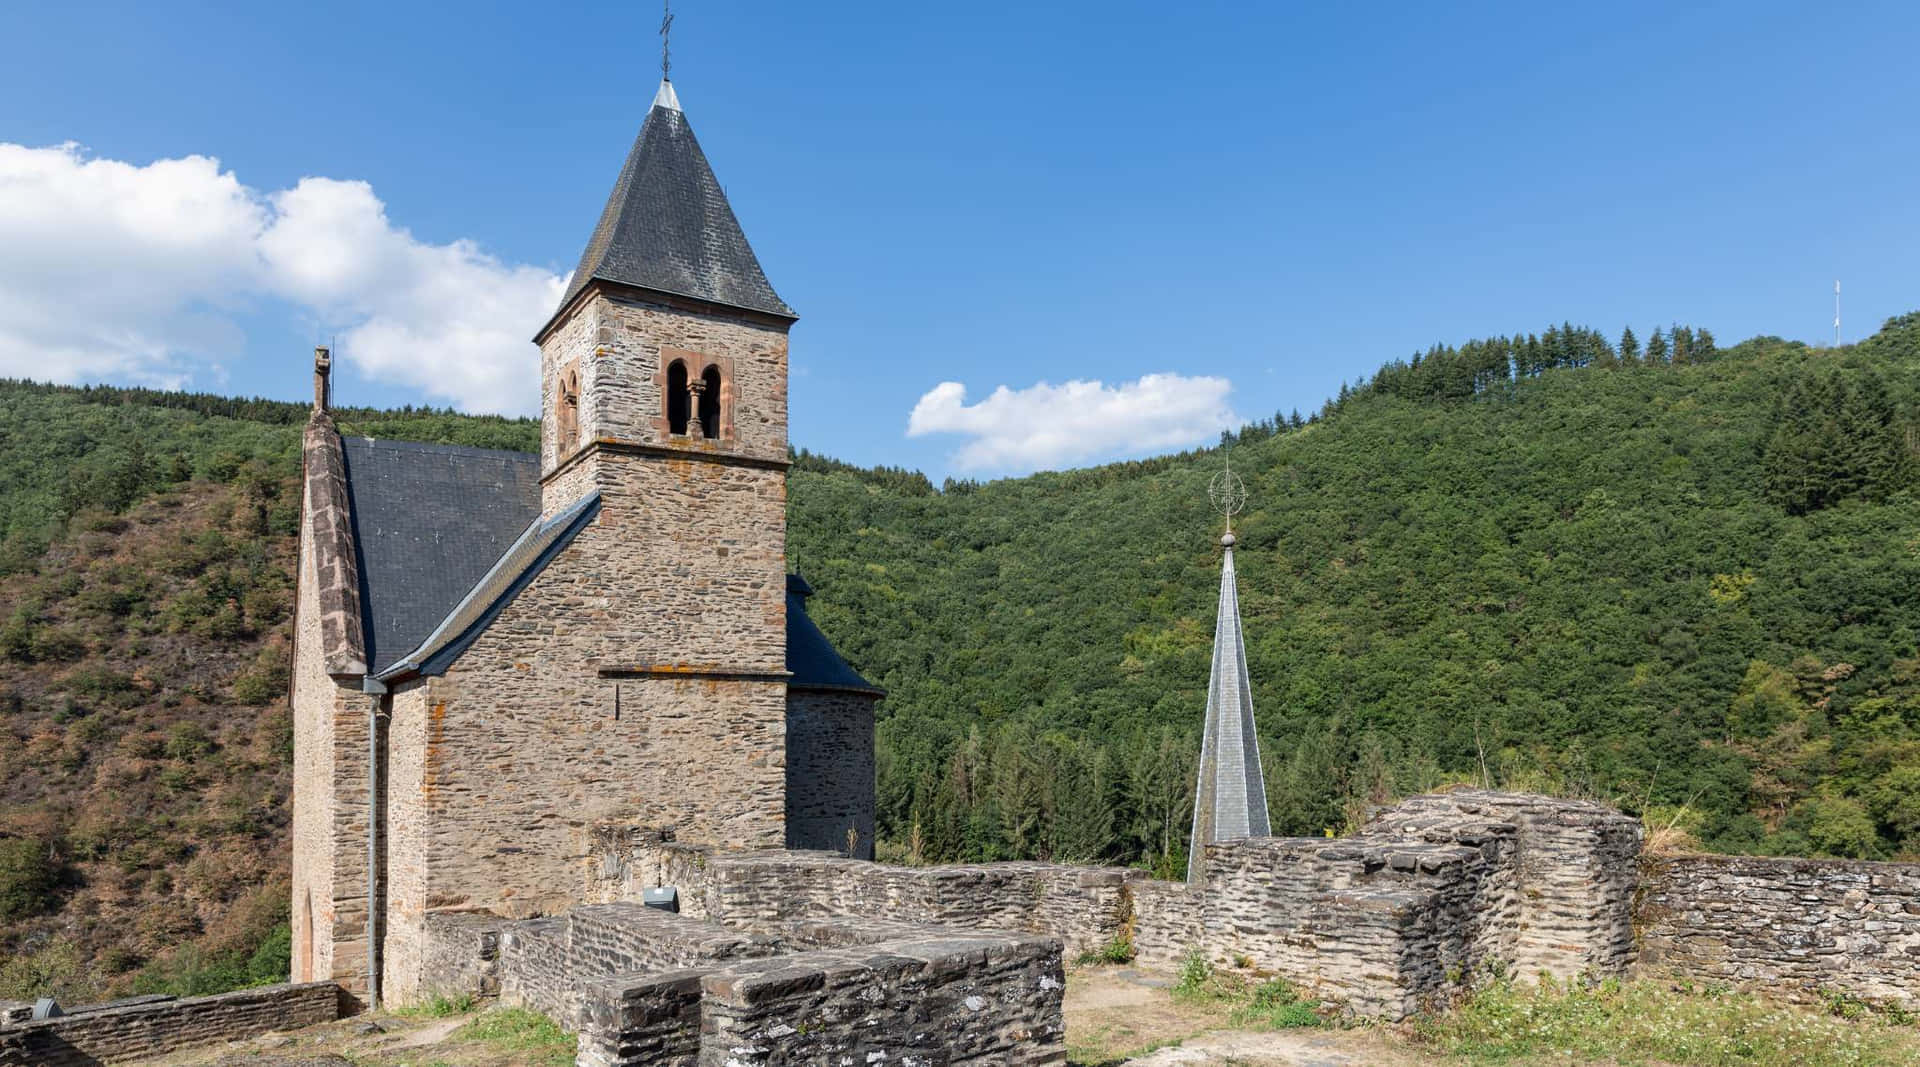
x=1682 y=584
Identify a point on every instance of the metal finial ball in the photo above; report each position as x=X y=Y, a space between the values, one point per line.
x=1227 y=493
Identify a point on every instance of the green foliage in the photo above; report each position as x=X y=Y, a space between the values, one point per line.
x=192 y=971
x=1525 y=562
x=1196 y=973
x=1118 y=950
x=535 y=1037
x=441 y=1006
x=1639 y=1022
x=29 y=878
x=1277 y=1005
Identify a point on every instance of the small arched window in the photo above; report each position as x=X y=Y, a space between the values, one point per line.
x=566 y=405
x=710 y=403
x=677 y=400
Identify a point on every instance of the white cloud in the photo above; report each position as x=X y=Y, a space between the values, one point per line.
x=113 y=270
x=1045 y=426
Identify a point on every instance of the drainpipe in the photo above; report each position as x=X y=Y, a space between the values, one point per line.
x=375 y=816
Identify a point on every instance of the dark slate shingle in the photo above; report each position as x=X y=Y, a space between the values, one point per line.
x=668 y=227
x=811 y=658
x=429 y=521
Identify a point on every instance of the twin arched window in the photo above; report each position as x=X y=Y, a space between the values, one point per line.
x=693 y=405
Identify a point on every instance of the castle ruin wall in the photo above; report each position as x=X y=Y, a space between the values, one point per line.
x=1798 y=927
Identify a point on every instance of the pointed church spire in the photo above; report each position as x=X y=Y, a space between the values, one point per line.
x=1230 y=800
x=667 y=226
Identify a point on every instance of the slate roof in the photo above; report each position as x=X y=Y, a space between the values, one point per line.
x=1230 y=800
x=446 y=536
x=519 y=565
x=810 y=656
x=667 y=225
x=429 y=521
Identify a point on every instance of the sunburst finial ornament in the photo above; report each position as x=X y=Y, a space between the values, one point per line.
x=1228 y=494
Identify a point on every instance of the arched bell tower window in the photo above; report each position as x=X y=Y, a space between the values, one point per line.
x=677 y=399
x=566 y=409
x=710 y=402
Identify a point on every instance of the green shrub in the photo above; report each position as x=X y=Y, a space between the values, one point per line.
x=1195 y=973
x=188 y=741
x=28 y=879
x=1118 y=950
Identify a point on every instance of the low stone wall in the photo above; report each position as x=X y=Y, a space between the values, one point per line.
x=1084 y=907
x=88 y=1038
x=947 y=997
x=545 y=963
x=1796 y=926
x=460 y=953
x=1431 y=893
x=533 y=967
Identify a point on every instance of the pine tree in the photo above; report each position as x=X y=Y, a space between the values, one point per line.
x=1629 y=347
x=1657 y=347
x=1682 y=345
x=1703 y=346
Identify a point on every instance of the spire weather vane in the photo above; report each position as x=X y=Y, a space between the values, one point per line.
x=1228 y=495
x=666 y=27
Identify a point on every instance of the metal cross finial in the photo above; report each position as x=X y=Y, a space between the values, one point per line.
x=1228 y=494
x=666 y=27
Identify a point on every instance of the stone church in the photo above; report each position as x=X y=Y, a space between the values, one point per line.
x=497 y=652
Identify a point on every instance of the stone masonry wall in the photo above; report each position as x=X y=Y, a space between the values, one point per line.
x=1795 y=926
x=618 y=341
x=830 y=771
x=1085 y=907
x=544 y=963
x=499 y=768
x=1434 y=892
x=329 y=834
x=913 y=995
x=142 y=1031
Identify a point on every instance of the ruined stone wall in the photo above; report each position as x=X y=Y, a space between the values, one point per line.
x=1435 y=892
x=1576 y=862
x=533 y=967
x=912 y=995
x=830 y=771
x=142 y=1031
x=1085 y=907
x=1794 y=926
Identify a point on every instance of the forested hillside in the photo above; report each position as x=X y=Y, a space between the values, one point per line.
x=1674 y=576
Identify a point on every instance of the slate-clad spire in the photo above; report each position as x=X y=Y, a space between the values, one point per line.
x=668 y=227
x=1231 y=799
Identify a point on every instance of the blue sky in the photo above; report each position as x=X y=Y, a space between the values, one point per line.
x=1242 y=204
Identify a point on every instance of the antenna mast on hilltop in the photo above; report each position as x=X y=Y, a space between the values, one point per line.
x=1836 y=313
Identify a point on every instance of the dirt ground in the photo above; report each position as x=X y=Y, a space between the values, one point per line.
x=1115 y=1016
x=1122 y=1016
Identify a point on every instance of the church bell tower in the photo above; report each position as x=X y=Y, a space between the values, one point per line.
x=664 y=391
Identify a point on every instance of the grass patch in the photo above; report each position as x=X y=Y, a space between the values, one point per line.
x=440 y=1006
x=1270 y=1005
x=1641 y=1022
x=538 y=1038
x=1118 y=950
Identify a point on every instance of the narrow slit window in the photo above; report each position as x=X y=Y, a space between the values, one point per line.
x=677 y=398
x=710 y=403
